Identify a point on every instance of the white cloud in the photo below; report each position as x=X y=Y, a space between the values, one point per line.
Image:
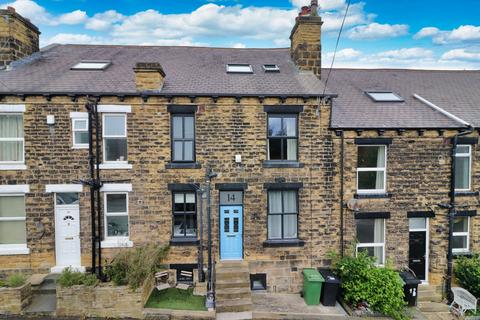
x=239 y=45
x=407 y=54
x=104 y=21
x=462 y=34
x=75 y=38
x=344 y=54
x=461 y=55
x=74 y=17
x=39 y=15
x=375 y=31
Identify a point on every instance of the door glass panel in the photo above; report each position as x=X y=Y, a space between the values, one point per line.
x=67 y=198
x=231 y=197
x=235 y=224
x=226 y=225
x=418 y=223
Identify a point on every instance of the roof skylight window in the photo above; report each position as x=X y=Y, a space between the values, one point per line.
x=271 y=68
x=92 y=65
x=384 y=96
x=239 y=68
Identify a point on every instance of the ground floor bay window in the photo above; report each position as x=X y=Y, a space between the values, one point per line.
x=13 y=234
x=371 y=238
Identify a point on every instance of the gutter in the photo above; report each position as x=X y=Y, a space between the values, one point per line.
x=468 y=128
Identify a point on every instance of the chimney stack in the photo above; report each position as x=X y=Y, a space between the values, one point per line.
x=305 y=48
x=18 y=37
x=149 y=76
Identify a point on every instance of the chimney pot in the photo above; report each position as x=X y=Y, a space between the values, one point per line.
x=11 y=9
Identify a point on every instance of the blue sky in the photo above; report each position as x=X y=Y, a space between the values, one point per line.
x=378 y=33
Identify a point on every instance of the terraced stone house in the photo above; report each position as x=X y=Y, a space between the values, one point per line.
x=296 y=169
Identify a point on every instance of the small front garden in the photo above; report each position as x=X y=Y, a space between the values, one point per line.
x=176 y=299
x=15 y=280
x=371 y=290
x=467 y=272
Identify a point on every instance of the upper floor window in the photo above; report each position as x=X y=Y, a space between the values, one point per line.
x=371 y=169
x=371 y=238
x=463 y=164
x=11 y=138
x=115 y=138
x=461 y=234
x=183 y=137
x=116 y=215
x=184 y=215
x=282 y=214
x=13 y=232
x=80 y=133
x=282 y=137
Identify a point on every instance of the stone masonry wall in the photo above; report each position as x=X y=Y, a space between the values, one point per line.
x=13 y=300
x=223 y=129
x=18 y=37
x=418 y=179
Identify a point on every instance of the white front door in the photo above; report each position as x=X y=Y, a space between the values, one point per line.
x=67 y=231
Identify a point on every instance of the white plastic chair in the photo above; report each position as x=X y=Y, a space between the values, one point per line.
x=463 y=301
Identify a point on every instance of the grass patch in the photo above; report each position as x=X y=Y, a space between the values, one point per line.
x=176 y=299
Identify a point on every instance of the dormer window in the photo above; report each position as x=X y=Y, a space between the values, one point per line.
x=271 y=68
x=239 y=68
x=92 y=65
x=384 y=96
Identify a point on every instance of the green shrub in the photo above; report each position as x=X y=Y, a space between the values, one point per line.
x=380 y=287
x=70 y=278
x=132 y=267
x=467 y=272
x=2 y=283
x=16 y=280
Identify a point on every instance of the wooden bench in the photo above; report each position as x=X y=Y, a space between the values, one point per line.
x=161 y=280
x=463 y=301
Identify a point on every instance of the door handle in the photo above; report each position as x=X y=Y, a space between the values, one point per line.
x=416 y=260
x=230 y=235
x=68 y=238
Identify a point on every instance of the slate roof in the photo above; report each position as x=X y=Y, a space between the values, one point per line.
x=189 y=70
x=457 y=92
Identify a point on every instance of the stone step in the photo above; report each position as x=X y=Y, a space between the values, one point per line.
x=432 y=307
x=438 y=316
x=231 y=264
x=246 y=315
x=42 y=305
x=240 y=274
x=232 y=283
x=237 y=305
x=430 y=297
x=429 y=288
x=233 y=293
x=37 y=279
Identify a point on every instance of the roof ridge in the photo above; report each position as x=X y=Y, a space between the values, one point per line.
x=159 y=46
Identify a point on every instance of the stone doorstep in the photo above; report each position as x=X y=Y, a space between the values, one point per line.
x=247 y=315
x=237 y=305
x=432 y=307
x=37 y=279
x=295 y=316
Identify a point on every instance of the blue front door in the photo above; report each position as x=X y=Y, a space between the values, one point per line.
x=231 y=232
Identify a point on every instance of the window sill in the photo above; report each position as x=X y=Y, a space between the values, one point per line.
x=183 y=165
x=372 y=195
x=283 y=243
x=184 y=242
x=13 y=167
x=7 y=250
x=282 y=164
x=80 y=147
x=466 y=193
x=459 y=254
x=120 y=243
x=115 y=166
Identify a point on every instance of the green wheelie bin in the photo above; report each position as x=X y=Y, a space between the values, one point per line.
x=312 y=286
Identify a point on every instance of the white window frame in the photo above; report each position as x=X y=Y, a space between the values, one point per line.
x=74 y=144
x=463 y=234
x=373 y=169
x=114 y=136
x=15 y=140
x=14 y=249
x=375 y=244
x=464 y=155
x=110 y=242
